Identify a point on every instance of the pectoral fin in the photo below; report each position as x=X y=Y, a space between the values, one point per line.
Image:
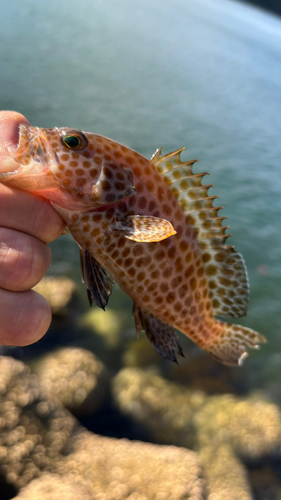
x=98 y=280
x=161 y=335
x=143 y=228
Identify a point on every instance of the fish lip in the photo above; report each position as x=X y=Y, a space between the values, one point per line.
x=34 y=151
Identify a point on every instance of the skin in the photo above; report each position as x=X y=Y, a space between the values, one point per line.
x=27 y=224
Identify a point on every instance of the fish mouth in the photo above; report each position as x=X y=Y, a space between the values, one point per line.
x=33 y=148
x=34 y=157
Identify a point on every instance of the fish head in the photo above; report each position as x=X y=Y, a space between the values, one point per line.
x=62 y=165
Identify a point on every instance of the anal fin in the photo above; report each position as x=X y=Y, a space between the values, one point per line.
x=98 y=280
x=161 y=335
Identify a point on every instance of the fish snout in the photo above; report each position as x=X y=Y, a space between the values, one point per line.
x=33 y=146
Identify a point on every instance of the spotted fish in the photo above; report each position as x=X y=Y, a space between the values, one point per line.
x=151 y=226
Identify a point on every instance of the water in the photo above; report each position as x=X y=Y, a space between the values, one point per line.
x=201 y=73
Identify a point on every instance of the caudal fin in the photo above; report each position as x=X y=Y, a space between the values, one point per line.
x=230 y=343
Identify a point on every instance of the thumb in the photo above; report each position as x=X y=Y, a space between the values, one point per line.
x=9 y=136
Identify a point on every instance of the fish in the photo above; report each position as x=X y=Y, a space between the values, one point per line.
x=149 y=225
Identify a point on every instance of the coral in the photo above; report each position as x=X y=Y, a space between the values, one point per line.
x=55 y=487
x=45 y=454
x=121 y=469
x=75 y=377
x=34 y=430
x=108 y=326
x=226 y=430
x=58 y=292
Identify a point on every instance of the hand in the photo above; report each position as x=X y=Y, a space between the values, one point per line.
x=27 y=223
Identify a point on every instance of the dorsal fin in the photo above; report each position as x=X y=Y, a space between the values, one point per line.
x=224 y=268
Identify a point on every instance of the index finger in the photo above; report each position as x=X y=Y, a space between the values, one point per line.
x=21 y=210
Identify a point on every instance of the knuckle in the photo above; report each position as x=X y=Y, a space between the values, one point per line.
x=23 y=261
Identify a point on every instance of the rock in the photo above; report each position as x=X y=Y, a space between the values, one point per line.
x=34 y=430
x=58 y=292
x=122 y=469
x=222 y=428
x=74 y=377
x=55 y=487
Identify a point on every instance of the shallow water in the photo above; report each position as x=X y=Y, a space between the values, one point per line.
x=205 y=74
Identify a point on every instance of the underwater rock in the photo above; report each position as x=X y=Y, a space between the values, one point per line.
x=34 y=430
x=75 y=377
x=58 y=291
x=226 y=430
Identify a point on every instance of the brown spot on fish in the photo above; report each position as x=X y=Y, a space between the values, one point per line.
x=81 y=182
x=138 y=249
x=86 y=164
x=211 y=270
x=121 y=241
x=93 y=172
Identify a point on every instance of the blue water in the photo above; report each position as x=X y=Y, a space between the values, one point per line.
x=205 y=74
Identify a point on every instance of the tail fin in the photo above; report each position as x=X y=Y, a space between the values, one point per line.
x=231 y=341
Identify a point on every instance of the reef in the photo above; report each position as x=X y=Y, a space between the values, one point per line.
x=74 y=377
x=226 y=431
x=45 y=453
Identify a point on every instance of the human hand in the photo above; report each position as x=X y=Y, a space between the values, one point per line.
x=27 y=224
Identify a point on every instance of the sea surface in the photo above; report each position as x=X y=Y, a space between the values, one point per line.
x=205 y=74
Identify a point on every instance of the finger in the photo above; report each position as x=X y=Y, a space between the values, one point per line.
x=30 y=214
x=25 y=317
x=24 y=260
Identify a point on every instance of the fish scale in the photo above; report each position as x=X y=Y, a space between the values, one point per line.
x=149 y=225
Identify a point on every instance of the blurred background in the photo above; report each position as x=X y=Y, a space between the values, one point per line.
x=204 y=74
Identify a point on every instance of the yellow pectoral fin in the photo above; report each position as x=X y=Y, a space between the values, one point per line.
x=143 y=228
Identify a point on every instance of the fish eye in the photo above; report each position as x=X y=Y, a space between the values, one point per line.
x=74 y=139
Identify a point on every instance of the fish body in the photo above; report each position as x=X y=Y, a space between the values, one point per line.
x=151 y=226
